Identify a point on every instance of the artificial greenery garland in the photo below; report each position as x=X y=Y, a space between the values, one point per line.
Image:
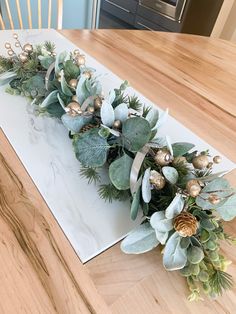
x=182 y=201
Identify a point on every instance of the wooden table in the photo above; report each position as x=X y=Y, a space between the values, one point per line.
x=39 y=271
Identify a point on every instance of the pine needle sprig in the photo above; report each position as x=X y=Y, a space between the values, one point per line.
x=146 y=111
x=220 y=281
x=5 y=64
x=134 y=103
x=108 y=192
x=91 y=174
x=49 y=46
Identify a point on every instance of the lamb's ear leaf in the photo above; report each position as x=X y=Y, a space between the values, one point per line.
x=107 y=113
x=140 y=240
x=175 y=257
x=50 y=99
x=146 y=186
x=175 y=207
x=59 y=60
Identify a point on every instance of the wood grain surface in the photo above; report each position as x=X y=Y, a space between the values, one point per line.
x=195 y=78
x=39 y=271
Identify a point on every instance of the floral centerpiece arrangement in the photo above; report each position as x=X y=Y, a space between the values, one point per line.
x=183 y=203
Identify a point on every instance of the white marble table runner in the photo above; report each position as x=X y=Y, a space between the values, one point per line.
x=43 y=145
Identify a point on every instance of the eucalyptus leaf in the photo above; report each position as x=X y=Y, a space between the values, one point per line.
x=152 y=117
x=107 y=114
x=175 y=207
x=46 y=61
x=175 y=257
x=140 y=240
x=91 y=149
x=181 y=148
x=71 y=70
x=119 y=172
x=136 y=132
x=76 y=123
x=195 y=255
x=55 y=110
x=228 y=210
x=211 y=177
x=121 y=112
x=171 y=174
x=146 y=186
x=50 y=99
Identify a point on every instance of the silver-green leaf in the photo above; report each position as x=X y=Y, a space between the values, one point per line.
x=119 y=172
x=171 y=174
x=140 y=240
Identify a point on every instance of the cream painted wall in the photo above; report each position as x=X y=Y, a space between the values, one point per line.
x=229 y=29
x=225 y=26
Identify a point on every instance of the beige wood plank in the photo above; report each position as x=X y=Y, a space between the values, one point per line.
x=39 y=271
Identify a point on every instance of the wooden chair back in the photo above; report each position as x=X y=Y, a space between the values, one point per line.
x=16 y=5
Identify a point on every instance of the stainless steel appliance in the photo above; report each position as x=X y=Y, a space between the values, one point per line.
x=172 y=9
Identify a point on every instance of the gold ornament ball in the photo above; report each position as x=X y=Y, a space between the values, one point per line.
x=74 y=98
x=179 y=160
x=117 y=124
x=7 y=45
x=28 y=48
x=23 y=57
x=98 y=103
x=76 y=52
x=17 y=44
x=214 y=199
x=210 y=165
x=91 y=109
x=217 y=159
x=163 y=157
x=73 y=83
x=15 y=36
x=81 y=60
x=193 y=188
x=10 y=52
x=157 y=180
x=87 y=74
x=200 y=162
x=74 y=108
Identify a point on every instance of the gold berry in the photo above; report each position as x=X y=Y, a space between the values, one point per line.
x=179 y=160
x=98 y=103
x=23 y=57
x=7 y=45
x=76 y=52
x=87 y=74
x=90 y=109
x=15 y=36
x=74 y=109
x=28 y=48
x=217 y=159
x=117 y=124
x=157 y=180
x=10 y=52
x=73 y=83
x=200 y=162
x=163 y=157
x=214 y=199
x=193 y=188
x=81 y=60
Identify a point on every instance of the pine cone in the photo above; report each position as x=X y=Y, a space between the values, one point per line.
x=89 y=127
x=185 y=224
